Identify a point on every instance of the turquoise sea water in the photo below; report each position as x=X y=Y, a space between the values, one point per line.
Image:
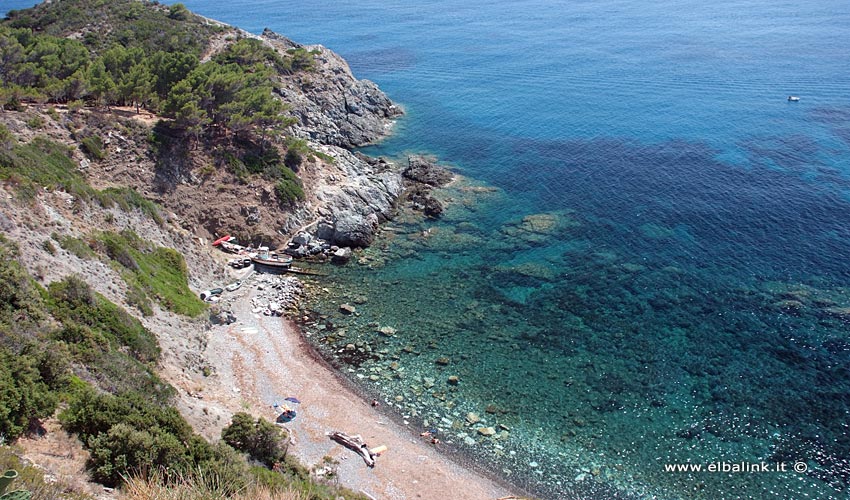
x=650 y=261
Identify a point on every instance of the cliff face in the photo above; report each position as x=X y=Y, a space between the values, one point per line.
x=332 y=106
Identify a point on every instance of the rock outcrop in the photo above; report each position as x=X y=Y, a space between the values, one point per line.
x=422 y=175
x=423 y=170
x=353 y=203
x=331 y=105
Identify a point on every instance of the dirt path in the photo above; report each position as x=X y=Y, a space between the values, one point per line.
x=261 y=360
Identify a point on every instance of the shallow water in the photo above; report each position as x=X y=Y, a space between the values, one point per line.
x=650 y=266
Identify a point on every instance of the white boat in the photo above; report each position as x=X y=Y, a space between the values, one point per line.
x=272 y=260
x=793 y=98
x=233 y=286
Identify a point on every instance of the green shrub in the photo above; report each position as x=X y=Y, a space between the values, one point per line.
x=128 y=199
x=124 y=449
x=7 y=139
x=126 y=433
x=43 y=163
x=75 y=304
x=35 y=122
x=179 y=12
x=76 y=246
x=24 y=396
x=21 y=306
x=260 y=439
x=289 y=188
x=48 y=247
x=293 y=159
x=75 y=106
x=92 y=146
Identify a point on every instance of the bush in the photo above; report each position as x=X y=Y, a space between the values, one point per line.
x=128 y=434
x=178 y=12
x=48 y=247
x=293 y=159
x=260 y=439
x=128 y=199
x=92 y=146
x=80 y=308
x=76 y=246
x=25 y=398
x=124 y=449
x=289 y=188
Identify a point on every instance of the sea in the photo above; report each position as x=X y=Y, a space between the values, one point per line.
x=640 y=286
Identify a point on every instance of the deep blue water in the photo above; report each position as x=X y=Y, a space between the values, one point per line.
x=662 y=274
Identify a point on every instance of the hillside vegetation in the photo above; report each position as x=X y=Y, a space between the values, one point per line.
x=67 y=350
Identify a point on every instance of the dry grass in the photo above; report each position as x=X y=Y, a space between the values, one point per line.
x=198 y=487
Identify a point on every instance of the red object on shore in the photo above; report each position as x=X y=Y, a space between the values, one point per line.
x=220 y=240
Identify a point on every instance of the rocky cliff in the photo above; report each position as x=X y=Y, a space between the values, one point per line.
x=332 y=106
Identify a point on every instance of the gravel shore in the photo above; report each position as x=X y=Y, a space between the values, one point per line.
x=260 y=360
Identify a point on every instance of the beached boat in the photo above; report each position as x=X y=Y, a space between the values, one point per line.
x=271 y=260
x=233 y=286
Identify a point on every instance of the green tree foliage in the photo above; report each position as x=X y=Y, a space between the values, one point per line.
x=148 y=59
x=260 y=439
x=24 y=396
x=129 y=22
x=169 y=68
x=25 y=372
x=103 y=88
x=178 y=11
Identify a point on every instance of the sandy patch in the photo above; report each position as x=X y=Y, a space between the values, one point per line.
x=260 y=360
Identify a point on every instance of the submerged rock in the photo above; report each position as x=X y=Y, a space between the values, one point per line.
x=387 y=331
x=426 y=171
x=839 y=312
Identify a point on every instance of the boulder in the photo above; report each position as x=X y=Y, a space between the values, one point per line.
x=433 y=208
x=387 y=331
x=354 y=230
x=302 y=238
x=486 y=431
x=325 y=231
x=315 y=247
x=347 y=309
x=298 y=251
x=341 y=256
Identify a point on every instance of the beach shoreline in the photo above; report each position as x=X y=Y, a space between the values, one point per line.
x=260 y=360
